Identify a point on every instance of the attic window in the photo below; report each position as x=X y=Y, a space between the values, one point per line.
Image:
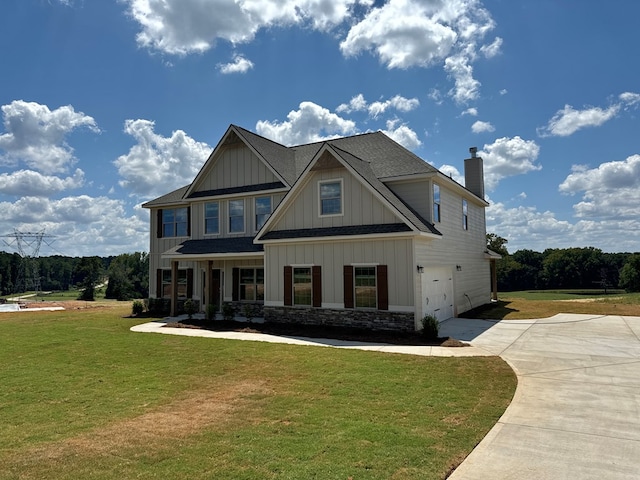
x=330 y=197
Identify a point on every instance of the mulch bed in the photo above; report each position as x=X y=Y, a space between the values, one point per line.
x=317 y=331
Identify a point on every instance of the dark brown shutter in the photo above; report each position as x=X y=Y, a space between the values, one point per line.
x=235 y=278
x=188 y=221
x=189 y=282
x=288 y=285
x=348 y=286
x=383 y=287
x=159 y=229
x=316 y=283
x=159 y=283
x=215 y=297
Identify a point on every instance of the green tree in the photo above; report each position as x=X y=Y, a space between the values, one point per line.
x=88 y=273
x=497 y=244
x=128 y=276
x=630 y=274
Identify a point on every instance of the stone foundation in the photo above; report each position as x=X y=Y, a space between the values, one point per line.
x=365 y=319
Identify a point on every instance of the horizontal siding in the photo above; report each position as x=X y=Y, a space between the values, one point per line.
x=417 y=194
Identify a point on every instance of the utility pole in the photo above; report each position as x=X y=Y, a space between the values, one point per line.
x=28 y=246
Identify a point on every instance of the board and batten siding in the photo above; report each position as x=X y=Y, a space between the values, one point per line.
x=236 y=166
x=397 y=254
x=459 y=247
x=360 y=205
x=415 y=193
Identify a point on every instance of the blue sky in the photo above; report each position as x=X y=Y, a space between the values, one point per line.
x=108 y=104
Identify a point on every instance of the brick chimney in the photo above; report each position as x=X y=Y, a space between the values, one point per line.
x=474 y=173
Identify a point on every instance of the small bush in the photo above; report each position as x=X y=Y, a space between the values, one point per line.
x=190 y=308
x=137 y=308
x=430 y=327
x=227 y=311
x=248 y=311
x=211 y=311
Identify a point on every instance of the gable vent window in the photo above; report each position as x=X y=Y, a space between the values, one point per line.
x=331 y=197
x=436 y=203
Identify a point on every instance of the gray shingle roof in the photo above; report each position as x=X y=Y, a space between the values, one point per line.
x=219 y=245
x=171 y=197
x=336 y=231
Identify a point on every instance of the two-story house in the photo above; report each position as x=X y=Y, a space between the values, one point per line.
x=352 y=231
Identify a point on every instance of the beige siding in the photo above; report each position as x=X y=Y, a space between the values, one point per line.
x=397 y=254
x=360 y=205
x=417 y=194
x=235 y=166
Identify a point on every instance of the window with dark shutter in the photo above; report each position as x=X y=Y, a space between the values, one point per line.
x=383 y=287
x=235 y=278
x=316 y=283
x=189 y=282
x=159 y=226
x=159 y=283
x=288 y=285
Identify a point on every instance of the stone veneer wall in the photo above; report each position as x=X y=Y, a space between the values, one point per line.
x=368 y=319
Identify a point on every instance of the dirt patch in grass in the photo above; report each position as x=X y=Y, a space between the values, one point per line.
x=319 y=331
x=188 y=415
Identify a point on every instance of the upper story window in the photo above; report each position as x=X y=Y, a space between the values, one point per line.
x=465 y=214
x=330 y=197
x=175 y=222
x=212 y=218
x=263 y=210
x=436 y=203
x=236 y=216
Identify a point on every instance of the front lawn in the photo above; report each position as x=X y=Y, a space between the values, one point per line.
x=83 y=397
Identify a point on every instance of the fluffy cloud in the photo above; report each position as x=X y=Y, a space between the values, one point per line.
x=398 y=102
x=452 y=172
x=157 y=164
x=80 y=225
x=568 y=121
x=310 y=123
x=239 y=65
x=612 y=190
x=29 y=183
x=507 y=157
x=481 y=127
x=36 y=135
x=470 y=111
x=402 y=134
x=192 y=26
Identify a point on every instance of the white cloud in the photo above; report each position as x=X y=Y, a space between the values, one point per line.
x=435 y=95
x=481 y=127
x=452 y=172
x=466 y=87
x=29 y=183
x=492 y=49
x=36 y=135
x=157 y=164
x=630 y=98
x=402 y=134
x=504 y=91
x=80 y=225
x=470 y=111
x=507 y=157
x=310 y=123
x=239 y=65
x=398 y=102
x=567 y=121
x=193 y=26
x=612 y=190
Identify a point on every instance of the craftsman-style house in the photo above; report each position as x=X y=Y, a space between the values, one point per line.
x=352 y=231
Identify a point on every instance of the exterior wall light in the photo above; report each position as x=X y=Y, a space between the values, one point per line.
x=420 y=269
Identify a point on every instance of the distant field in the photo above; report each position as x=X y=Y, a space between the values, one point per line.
x=546 y=303
x=83 y=397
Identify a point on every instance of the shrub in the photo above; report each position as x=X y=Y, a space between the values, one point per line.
x=430 y=327
x=137 y=308
x=248 y=311
x=212 y=308
x=190 y=308
x=227 y=311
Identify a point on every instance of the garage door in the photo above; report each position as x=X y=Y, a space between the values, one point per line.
x=437 y=293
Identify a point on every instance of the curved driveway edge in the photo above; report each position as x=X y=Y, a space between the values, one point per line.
x=576 y=410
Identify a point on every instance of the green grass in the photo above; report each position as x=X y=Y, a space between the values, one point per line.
x=56 y=296
x=82 y=396
x=566 y=294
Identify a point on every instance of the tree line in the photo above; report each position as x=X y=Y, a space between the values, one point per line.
x=564 y=268
x=126 y=276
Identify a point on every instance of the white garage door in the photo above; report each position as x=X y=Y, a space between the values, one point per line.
x=437 y=293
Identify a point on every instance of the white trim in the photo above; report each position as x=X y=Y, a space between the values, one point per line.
x=368 y=264
x=402 y=308
x=244 y=216
x=339 y=180
x=302 y=265
x=334 y=306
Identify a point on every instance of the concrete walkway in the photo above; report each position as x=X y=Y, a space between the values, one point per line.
x=576 y=411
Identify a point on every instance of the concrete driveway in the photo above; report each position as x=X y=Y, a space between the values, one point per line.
x=576 y=411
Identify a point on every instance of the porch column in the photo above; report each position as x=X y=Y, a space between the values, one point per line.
x=209 y=299
x=494 y=280
x=174 y=288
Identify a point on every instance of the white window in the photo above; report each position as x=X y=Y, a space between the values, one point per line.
x=330 y=197
x=302 y=290
x=436 y=203
x=365 y=287
x=263 y=210
x=174 y=222
x=236 y=216
x=212 y=218
x=465 y=214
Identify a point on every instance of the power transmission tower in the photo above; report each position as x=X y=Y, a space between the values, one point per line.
x=28 y=246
